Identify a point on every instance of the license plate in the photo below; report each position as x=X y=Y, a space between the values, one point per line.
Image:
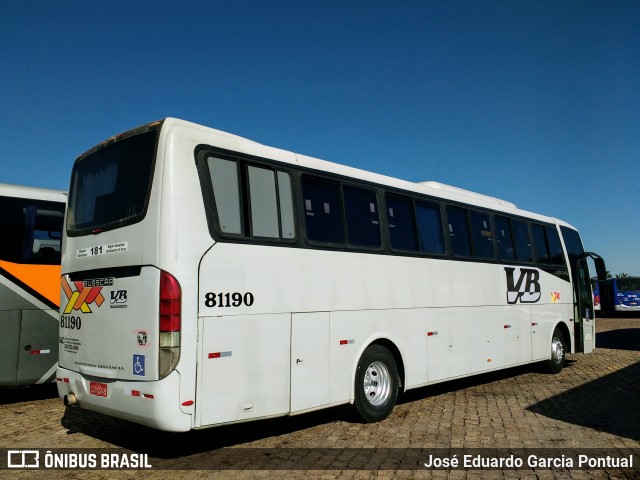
x=98 y=389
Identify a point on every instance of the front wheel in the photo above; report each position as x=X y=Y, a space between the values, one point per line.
x=556 y=361
x=376 y=384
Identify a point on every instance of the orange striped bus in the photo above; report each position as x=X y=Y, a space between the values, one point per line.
x=31 y=222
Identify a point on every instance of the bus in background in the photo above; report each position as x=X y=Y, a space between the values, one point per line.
x=621 y=294
x=208 y=280
x=595 y=288
x=31 y=222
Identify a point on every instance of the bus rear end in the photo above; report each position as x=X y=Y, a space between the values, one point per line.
x=120 y=312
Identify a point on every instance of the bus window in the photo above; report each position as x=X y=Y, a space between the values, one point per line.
x=555 y=247
x=482 y=235
x=269 y=204
x=287 y=224
x=503 y=237
x=524 y=252
x=323 y=210
x=402 y=227
x=110 y=186
x=264 y=203
x=459 y=231
x=226 y=193
x=429 y=227
x=361 y=214
x=542 y=251
x=31 y=231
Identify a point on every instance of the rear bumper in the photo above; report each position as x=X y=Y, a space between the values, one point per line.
x=155 y=404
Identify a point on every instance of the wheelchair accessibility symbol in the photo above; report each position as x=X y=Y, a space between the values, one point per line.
x=138 y=365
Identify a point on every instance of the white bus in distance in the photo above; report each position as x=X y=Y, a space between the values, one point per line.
x=208 y=279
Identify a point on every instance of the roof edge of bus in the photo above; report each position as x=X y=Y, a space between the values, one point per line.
x=179 y=121
x=467 y=193
x=436 y=189
x=13 y=190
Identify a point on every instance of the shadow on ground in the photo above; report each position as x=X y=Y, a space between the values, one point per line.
x=608 y=404
x=624 y=339
x=28 y=394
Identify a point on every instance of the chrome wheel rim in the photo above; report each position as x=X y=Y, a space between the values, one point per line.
x=557 y=350
x=377 y=384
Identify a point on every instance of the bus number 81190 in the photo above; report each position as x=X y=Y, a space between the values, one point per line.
x=224 y=300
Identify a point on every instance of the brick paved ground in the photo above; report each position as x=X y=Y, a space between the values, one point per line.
x=593 y=403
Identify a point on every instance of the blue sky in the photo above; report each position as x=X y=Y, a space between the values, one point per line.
x=536 y=102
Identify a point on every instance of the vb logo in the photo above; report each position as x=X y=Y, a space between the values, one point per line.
x=118 y=296
x=526 y=288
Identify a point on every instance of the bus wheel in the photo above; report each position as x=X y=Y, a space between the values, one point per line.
x=556 y=361
x=376 y=384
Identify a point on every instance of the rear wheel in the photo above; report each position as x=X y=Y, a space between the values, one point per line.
x=376 y=384
x=556 y=360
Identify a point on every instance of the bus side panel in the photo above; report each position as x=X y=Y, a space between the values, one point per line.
x=310 y=360
x=244 y=369
x=27 y=329
x=518 y=334
x=544 y=319
x=449 y=346
x=353 y=331
x=39 y=342
x=10 y=322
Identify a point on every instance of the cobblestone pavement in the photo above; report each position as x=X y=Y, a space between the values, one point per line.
x=592 y=403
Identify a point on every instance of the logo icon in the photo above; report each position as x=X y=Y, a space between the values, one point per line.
x=555 y=297
x=142 y=338
x=23 y=458
x=118 y=296
x=526 y=289
x=79 y=297
x=138 y=365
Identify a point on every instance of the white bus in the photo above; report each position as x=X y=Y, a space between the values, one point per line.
x=208 y=279
x=30 y=234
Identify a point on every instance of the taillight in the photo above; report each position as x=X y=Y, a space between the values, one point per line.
x=170 y=323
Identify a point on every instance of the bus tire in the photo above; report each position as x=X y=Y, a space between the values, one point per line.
x=557 y=355
x=376 y=384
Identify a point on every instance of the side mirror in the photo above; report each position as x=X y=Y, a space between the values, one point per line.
x=601 y=269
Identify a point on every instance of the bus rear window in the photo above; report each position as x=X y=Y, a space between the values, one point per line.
x=110 y=186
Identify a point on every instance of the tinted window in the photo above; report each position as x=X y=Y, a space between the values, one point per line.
x=504 y=239
x=429 y=227
x=482 y=235
x=573 y=243
x=226 y=193
x=30 y=230
x=264 y=203
x=361 y=213
x=459 y=231
x=402 y=227
x=555 y=247
x=110 y=187
x=524 y=252
x=287 y=223
x=542 y=251
x=323 y=210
